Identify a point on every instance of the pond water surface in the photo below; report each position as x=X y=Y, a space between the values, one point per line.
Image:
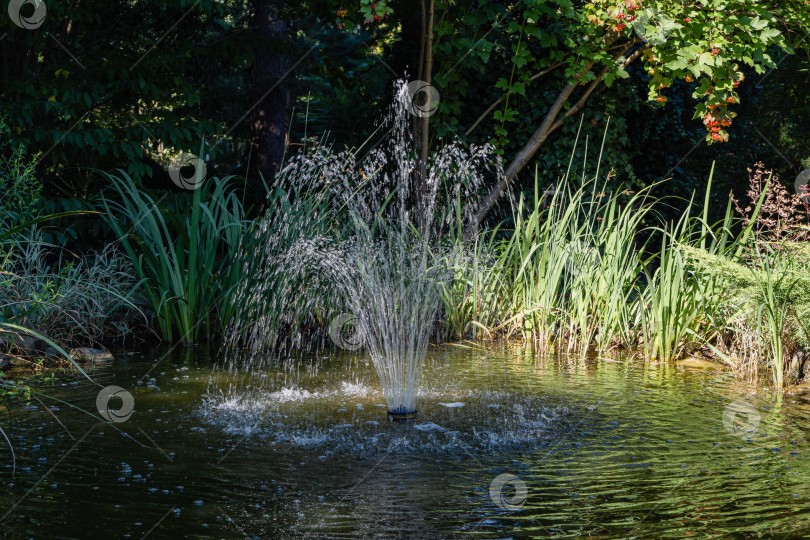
x=593 y=448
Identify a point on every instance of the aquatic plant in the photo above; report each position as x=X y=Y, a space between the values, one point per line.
x=567 y=271
x=185 y=260
x=78 y=300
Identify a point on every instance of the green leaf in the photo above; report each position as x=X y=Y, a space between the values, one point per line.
x=677 y=64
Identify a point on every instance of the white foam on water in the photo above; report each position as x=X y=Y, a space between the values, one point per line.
x=309 y=440
x=285 y=417
x=291 y=394
x=233 y=404
x=241 y=429
x=355 y=389
x=430 y=426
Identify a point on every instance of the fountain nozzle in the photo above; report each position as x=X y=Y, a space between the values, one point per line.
x=401 y=414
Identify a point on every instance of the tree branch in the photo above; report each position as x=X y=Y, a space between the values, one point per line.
x=539 y=137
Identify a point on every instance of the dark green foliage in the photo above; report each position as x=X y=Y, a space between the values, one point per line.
x=19 y=185
x=103 y=83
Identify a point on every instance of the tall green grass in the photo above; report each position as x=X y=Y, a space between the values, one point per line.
x=471 y=299
x=578 y=270
x=567 y=269
x=681 y=302
x=187 y=260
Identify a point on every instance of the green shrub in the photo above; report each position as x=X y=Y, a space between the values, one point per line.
x=19 y=185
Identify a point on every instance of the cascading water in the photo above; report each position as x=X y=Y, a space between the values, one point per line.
x=365 y=235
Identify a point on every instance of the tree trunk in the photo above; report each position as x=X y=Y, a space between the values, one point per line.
x=426 y=71
x=270 y=116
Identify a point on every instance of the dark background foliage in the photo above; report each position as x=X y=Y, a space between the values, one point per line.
x=109 y=85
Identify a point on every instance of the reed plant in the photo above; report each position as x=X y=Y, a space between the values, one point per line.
x=672 y=302
x=186 y=260
x=772 y=314
x=577 y=269
x=567 y=268
x=471 y=298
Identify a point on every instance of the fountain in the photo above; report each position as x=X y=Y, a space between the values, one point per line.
x=364 y=235
x=392 y=281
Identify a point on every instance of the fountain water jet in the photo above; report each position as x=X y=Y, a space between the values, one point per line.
x=374 y=242
x=392 y=281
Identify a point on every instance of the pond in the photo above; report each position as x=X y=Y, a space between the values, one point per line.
x=507 y=442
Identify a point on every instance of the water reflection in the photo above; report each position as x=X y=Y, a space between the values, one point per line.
x=606 y=448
